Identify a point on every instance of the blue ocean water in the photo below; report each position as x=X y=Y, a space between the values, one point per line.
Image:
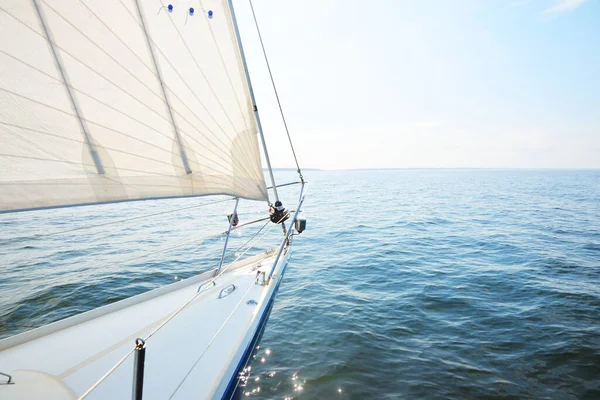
x=416 y=284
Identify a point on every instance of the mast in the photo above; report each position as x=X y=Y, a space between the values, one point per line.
x=260 y=130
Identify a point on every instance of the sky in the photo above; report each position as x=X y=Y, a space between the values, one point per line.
x=429 y=83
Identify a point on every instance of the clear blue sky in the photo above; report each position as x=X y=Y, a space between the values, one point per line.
x=430 y=83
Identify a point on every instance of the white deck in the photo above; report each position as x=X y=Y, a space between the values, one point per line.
x=64 y=359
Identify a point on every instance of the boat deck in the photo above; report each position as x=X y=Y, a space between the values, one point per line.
x=193 y=356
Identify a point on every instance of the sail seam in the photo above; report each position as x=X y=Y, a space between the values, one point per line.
x=167 y=86
x=95 y=123
x=92 y=148
x=225 y=68
x=62 y=160
x=212 y=34
x=182 y=153
x=201 y=72
x=205 y=79
x=187 y=85
x=136 y=78
x=100 y=59
x=166 y=59
x=222 y=157
x=118 y=38
x=106 y=148
x=218 y=155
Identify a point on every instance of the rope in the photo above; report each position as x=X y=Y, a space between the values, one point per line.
x=194 y=241
x=110 y=371
x=212 y=340
x=253 y=236
x=130 y=219
x=205 y=286
x=276 y=94
x=166 y=249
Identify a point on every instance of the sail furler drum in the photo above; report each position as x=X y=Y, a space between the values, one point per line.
x=112 y=101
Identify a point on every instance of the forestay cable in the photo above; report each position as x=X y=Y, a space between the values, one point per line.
x=276 y=94
x=174 y=314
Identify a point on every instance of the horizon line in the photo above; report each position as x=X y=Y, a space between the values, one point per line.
x=438 y=168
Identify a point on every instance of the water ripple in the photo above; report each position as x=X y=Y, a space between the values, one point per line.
x=407 y=284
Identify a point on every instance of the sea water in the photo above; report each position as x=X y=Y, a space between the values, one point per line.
x=415 y=284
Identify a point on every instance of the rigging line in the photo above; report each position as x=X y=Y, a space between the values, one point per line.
x=65 y=79
x=253 y=244
x=110 y=371
x=286 y=184
x=250 y=223
x=128 y=219
x=242 y=298
x=152 y=253
x=43 y=236
x=275 y=90
x=230 y=315
x=123 y=262
x=204 y=288
x=175 y=314
x=250 y=91
x=172 y=247
x=129 y=94
x=253 y=236
x=248 y=241
x=184 y=81
x=231 y=220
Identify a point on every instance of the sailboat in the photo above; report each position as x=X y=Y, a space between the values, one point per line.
x=125 y=100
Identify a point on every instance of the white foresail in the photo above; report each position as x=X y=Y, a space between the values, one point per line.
x=116 y=100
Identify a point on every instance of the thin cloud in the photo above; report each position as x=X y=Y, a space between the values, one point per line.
x=563 y=6
x=519 y=3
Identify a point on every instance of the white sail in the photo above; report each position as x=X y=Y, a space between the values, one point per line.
x=116 y=100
